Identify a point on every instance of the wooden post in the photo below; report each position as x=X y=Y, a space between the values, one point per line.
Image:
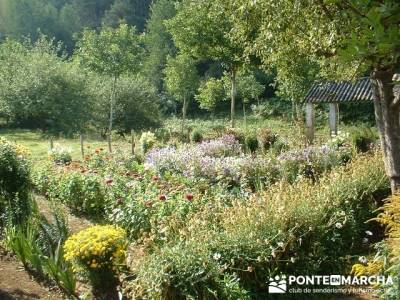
x=82 y=149
x=133 y=141
x=310 y=122
x=333 y=118
x=109 y=143
x=51 y=143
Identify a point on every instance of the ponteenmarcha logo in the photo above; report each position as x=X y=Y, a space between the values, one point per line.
x=281 y=284
x=277 y=285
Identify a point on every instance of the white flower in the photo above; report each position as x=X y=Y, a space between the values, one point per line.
x=293 y=260
x=363 y=260
x=338 y=225
x=280 y=244
x=369 y=233
x=273 y=253
x=217 y=256
x=365 y=240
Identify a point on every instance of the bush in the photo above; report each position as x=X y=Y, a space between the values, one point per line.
x=390 y=217
x=196 y=136
x=363 y=138
x=190 y=274
x=147 y=141
x=266 y=138
x=96 y=252
x=303 y=229
x=60 y=155
x=251 y=143
x=81 y=192
x=14 y=183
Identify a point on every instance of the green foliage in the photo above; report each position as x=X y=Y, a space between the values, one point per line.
x=196 y=136
x=147 y=141
x=156 y=35
x=190 y=273
x=251 y=142
x=250 y=241
x=390 y=218
x=266 y=138
x=210 y=93
x=110 y=52
x=132 y=12
x=83 y=194
x=38 y=245
x=136 y=103
x=181 y=77
x=40 y=89
x=248 y=88
x=363 y=138
x=15 y=184
x=60 y=155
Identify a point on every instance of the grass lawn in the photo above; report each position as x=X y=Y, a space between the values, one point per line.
x=40 y=145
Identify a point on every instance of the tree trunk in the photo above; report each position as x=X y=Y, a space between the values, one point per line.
x=233 y=97
x=387 y=114
x=184 y=111
x=112 y=103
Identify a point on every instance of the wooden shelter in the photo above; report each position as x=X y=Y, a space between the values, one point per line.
x=334 y=93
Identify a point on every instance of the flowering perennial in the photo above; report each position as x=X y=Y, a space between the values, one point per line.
x=97 y=247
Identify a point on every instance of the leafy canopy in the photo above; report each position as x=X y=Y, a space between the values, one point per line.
x=110 y=52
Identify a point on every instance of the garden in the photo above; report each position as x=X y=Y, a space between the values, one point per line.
x=180 y=149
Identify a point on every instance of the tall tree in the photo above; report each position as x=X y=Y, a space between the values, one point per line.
x=346 y=38
x=158 y=42
x=201 y=28
x=111 y=52
x=182 y=80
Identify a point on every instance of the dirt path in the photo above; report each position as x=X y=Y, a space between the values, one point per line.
x=75 y=223
x=15 y=282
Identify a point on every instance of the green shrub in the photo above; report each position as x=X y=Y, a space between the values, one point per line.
x=303 y=229
x=189 y=273
x=363 y=138
x=390 y=217
x=266 y=138
x=251 y=143
x=82 y=193
x=14 y=183
x=147 y=141
x=60 y=156
x=196 y=136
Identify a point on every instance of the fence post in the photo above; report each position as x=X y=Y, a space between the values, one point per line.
x=82 y=149
x=310 y=122
x=133 y=141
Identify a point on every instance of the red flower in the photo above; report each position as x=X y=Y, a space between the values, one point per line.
x=148 y=204
x=162 y=197
x=155 y=178
x=109 y=181
x=189 y=197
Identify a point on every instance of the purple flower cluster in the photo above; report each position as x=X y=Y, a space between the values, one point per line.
x=217 y=160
